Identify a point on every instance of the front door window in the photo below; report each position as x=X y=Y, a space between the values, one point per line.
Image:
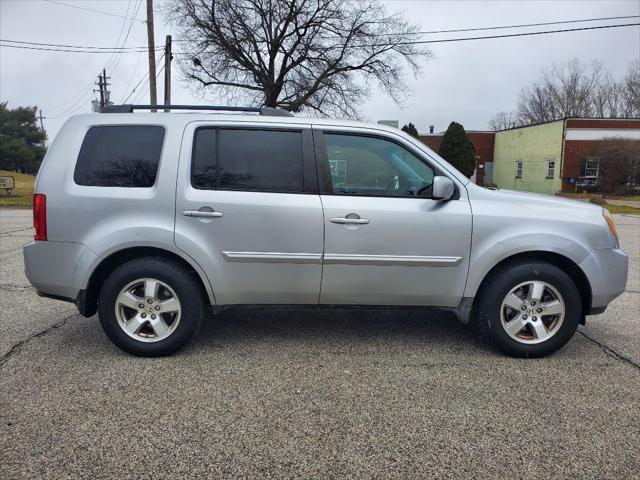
x=361 y=165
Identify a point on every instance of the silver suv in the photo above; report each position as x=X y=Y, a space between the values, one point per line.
x=148 y=219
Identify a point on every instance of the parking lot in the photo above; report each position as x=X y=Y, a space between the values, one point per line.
x=267 y=392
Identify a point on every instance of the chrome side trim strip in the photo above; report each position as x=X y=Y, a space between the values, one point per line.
x=391 y=260
x=272 y=257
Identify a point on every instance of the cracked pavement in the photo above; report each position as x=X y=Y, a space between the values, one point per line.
x=271 y=392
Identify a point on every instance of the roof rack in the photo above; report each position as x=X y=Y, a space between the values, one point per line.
x=128 y=108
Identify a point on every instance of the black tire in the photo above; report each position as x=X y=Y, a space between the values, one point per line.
x=507 y=277
x=183 y=283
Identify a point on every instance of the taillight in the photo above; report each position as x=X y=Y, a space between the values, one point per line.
x=40 y=216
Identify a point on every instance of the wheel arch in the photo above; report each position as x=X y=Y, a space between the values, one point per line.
x=88 y=299
x=558 y=260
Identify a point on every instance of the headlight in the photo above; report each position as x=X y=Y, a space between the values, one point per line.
x=609 y=219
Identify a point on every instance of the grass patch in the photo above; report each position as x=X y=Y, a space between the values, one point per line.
x=622 y=209
x=626 y=197
x=22 y=195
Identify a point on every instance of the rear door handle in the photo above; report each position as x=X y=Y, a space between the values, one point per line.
x=352 y=221
x=201 y=213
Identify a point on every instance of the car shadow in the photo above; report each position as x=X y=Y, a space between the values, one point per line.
x=337 y=325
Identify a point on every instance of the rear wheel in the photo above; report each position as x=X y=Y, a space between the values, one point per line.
x=529 y=309
x=150 y=306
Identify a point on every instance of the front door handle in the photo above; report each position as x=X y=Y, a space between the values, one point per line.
x=349 y=221
x=201 y=213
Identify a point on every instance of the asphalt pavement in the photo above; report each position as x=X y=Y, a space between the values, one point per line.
x=270 y=392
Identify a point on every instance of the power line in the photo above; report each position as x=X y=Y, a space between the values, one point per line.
x=133 y=74
x=124 y=42
x=508 y=35
x=73 y=50
x=122 y=27
x=497 y=27
x=22 y=42
x=143 y=79
x=523 y=25
x=144 y=91
x=77 y=105
x=137 y=48
x=102 y=12
x=74 y=97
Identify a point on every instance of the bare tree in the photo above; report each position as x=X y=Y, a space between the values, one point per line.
x=631 y=90
x=608 y=98
x=318 y=55
x=503 y=120
x=574 y=89
x=564 y=90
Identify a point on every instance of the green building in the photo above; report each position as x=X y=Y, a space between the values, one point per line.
x=529 y=158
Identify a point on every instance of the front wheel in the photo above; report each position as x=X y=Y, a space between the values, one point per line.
x=150 y=306
x=529 y=309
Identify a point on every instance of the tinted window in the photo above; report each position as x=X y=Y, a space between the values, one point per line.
x=262 y=160
x=204 y=167
x=372 y=166
x=119 y=156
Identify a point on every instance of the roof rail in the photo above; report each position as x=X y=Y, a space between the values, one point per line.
x=128 y=108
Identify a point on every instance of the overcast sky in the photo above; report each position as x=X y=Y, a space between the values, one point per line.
x=465 y=81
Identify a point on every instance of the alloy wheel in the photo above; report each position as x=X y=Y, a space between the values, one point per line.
x=148 y=310
x=532 y=312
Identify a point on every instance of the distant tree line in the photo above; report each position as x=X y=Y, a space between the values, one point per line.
x=22 y=145
x=574 y=89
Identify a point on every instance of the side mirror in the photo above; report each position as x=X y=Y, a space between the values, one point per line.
x=443 y=188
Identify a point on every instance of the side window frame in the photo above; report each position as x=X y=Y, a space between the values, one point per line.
x=309 y=173
x=324 y=174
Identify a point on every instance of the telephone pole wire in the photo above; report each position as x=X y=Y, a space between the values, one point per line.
x=152 y=55
x=167 y=73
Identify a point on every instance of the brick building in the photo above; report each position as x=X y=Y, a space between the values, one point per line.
x=581 y=135
x=482 y=141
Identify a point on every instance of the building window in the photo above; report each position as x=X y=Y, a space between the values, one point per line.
x=551 y=168
x=592 y=169
x=519 y=166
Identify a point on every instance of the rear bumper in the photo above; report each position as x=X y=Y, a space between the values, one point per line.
x=58 y=269
x=607 y=271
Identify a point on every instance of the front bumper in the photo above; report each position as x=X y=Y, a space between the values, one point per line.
x=607 y=271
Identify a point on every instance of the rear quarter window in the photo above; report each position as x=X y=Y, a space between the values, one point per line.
x=120 y=156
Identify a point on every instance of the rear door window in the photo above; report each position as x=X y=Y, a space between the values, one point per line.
x=120 y=156
x=249 y=160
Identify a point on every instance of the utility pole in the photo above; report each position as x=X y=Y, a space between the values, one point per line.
x=104 y=92
x=167 y=73
x=41 y=122
x=101 y=89
x=152 y=55
x=107 y=93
